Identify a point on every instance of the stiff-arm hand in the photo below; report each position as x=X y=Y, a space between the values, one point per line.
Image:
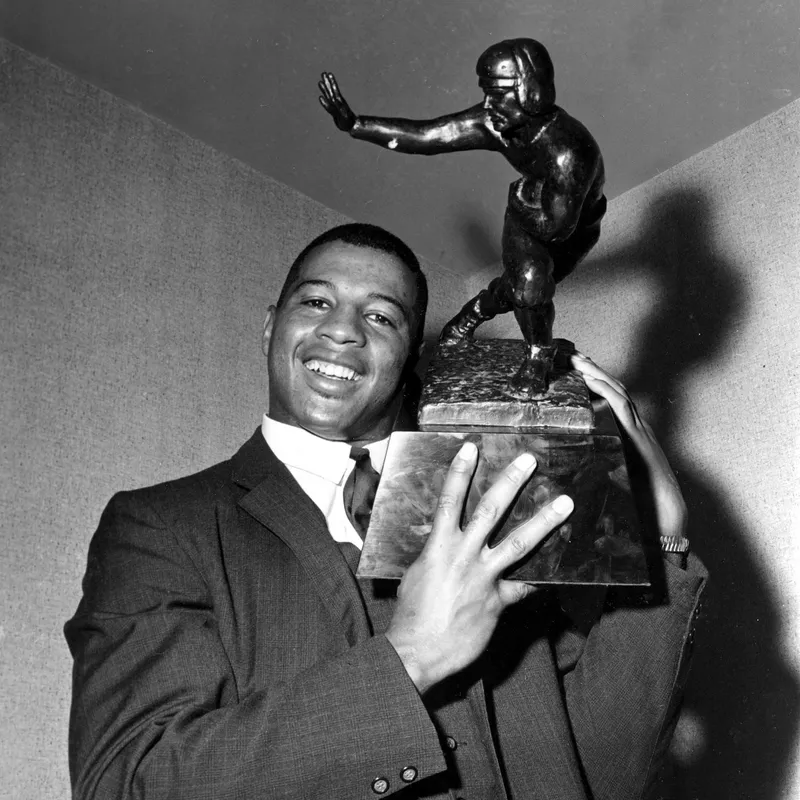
x=332 y=101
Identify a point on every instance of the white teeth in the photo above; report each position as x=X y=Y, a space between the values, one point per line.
x=332 y=370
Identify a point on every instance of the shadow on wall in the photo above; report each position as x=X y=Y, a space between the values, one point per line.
x=740 y=719
x=739 y=728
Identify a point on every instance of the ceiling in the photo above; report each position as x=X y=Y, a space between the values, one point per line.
x=655 y=81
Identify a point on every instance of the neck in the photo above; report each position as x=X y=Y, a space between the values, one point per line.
x=533 y=127
x=543 y=117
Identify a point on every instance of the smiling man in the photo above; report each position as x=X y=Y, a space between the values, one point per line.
x=224 y=649
x=343 y=335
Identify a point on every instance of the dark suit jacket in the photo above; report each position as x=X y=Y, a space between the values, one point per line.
x=222 y=650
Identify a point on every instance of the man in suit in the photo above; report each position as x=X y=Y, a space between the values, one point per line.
x=224 y=649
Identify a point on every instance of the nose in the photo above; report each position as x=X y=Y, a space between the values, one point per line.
x=343 y=325
x=487 y=101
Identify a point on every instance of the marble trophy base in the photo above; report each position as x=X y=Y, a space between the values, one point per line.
x=598 y=544
x=466 y=387
x=579 y=453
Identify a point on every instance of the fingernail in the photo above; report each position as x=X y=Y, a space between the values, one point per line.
x=562 y=504
x=468 y=450
x=524 y=461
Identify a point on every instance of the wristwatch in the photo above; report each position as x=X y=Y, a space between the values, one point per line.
x=675 y=544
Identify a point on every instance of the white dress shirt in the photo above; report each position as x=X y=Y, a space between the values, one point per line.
x=321 y=467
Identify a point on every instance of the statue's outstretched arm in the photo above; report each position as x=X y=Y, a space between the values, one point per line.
x=464 y=130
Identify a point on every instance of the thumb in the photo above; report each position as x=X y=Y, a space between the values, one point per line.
x=513 y=591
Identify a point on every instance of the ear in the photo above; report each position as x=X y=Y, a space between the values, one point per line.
x=266 y=335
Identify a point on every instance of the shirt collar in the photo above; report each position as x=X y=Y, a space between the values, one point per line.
x=300 y=449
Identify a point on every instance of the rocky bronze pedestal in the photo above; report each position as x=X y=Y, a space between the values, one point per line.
x=467 y=387
x=579 y=452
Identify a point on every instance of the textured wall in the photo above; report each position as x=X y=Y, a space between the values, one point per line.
x=136 y=267
x=692 y=297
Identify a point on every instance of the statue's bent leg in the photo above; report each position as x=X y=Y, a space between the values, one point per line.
x=536 y=323
x=486 y=305
x=529 y=269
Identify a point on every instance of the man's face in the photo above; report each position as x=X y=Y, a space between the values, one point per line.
x=500 y=101
x=338 y=346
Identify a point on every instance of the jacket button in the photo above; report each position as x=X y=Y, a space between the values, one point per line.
x=408 y=774
x=380 y=785
x=451 y=743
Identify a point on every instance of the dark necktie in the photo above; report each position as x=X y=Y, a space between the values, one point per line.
x=359 y=494
x=359 y=490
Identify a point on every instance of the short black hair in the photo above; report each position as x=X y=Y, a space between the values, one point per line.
x=363 y=234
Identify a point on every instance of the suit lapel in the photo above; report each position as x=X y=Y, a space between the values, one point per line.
x=277 y=502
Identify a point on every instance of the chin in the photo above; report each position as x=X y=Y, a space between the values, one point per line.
x=335 y=426
x=327 y=427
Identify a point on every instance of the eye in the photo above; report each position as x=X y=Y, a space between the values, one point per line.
x=380 y=319
x=315 y=302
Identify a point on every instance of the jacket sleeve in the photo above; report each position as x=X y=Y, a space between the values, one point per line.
x=156 y=711
x=625 y=682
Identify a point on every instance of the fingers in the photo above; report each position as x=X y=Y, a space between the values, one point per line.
x=670 y=506
x=329 y=88
x=523 y=539
x=589 y=369
x=454 y=491
x=621 y=404
x=328 y=91
x=611 y=390
x=337 y=95
x=497 y=499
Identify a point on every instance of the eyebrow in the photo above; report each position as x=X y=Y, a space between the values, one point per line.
x=387 y=298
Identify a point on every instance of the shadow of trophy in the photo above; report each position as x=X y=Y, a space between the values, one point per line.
x=511 y=396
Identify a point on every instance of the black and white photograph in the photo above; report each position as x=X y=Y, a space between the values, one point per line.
x=400 y=399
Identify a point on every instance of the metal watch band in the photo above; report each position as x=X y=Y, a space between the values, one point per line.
x=674 y=544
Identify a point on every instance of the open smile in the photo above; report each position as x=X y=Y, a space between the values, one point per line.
x=334 y=371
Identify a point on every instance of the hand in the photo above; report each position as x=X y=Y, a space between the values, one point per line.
x=668 y=503
x=451 y=597
x=333 y=102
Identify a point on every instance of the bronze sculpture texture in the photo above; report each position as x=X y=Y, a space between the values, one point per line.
x=552 y=219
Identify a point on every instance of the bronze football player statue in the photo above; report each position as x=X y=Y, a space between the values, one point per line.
x=554 y=210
